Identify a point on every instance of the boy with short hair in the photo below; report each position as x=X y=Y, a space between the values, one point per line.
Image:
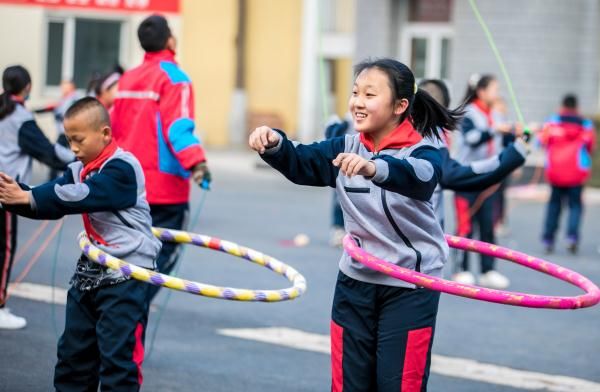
x=106 y=311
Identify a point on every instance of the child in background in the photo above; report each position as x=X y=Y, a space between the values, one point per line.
x=336 y=128
x=477 y=140
x=21 y=141
x=384 y=176
x=478 y=175
x=106 y=312
x=569 y=140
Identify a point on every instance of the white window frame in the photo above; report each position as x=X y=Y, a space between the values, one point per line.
x=433 y=33
x=68 y=58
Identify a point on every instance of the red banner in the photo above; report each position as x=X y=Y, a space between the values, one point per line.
x=105 y=5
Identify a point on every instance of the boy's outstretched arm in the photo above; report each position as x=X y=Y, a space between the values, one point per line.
x=113 y=188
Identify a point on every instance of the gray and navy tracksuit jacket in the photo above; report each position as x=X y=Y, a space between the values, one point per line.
x=476 y=176
x=390 y=215
x=112 y=199
x=21 y=141
x=476 y=139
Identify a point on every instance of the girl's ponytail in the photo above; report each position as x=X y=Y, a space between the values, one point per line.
x=7 y=105
x=429 y=117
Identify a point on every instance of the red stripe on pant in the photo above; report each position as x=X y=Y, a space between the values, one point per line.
x=138 y=351
x=337 y=356
x=7 y=256
x=415 y=359
x=463 y=216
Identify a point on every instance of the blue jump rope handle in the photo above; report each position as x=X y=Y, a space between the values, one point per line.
x=205 y=184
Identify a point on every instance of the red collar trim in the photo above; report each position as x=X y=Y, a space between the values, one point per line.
x=161 y=55
x=17 y=99
x=485 y=109
x=482 y=106
x=97 y=163
x=404 y=135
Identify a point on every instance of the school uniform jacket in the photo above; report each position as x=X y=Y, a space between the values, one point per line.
x=111 y=196
x=475 y=140
x=390 y=215
x=21 y=141
x=476 y=176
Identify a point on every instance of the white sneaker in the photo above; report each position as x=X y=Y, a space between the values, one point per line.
x=464 y=277
x=494 y=280
x=10 y=321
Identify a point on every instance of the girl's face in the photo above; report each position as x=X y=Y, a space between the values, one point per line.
x=489 y=94
x=372 y=104
x=107 y=97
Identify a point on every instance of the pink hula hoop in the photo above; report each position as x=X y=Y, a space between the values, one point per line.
x=591 y=298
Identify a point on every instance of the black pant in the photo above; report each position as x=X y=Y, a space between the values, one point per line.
x=473 y=209
x=381 y=337
x=573 y=197
x=168 y=216
x=103 y=341
x=8 y=246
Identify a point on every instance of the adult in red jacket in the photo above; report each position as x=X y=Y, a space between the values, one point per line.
x=569 y=140
x=153 y=118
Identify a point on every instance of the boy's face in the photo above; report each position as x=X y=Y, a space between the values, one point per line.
x=86 y=138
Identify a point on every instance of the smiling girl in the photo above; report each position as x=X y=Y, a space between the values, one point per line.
x=382 y=328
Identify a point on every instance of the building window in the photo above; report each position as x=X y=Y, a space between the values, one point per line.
x=427 y=48
x=77 y=48
x=418 y=57
x=54 y=58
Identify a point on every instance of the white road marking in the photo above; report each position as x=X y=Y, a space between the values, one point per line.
x=448 y=366
x=38 y=292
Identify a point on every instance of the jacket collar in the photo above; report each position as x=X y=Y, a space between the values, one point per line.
x=404 y=135
x=97 y=163
x=161 y=55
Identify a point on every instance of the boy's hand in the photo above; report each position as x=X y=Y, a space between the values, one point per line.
x=263 y=138
x=199 y=172
x=352 y=164
x=11 y=192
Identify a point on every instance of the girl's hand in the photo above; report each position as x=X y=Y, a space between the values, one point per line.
x=263 y=138
x=353 y=164
x=11 y=192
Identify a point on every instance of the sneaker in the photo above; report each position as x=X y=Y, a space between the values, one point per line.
x=10 y=321
x=572 y=247
x=337 y=236
x=494 y=280
x=548 y=247
x=464 y=277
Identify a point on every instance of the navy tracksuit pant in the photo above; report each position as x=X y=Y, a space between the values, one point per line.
x=168 y=216
x=103 y=341
x=381 y=337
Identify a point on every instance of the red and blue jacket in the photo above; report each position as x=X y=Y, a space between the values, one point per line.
x=569 y=140
x=153 y=118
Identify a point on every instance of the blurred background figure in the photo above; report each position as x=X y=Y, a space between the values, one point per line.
x=569 y=140
x=68 y=95
x=337 y=127
x=104 y=87
x=477 y=139
x=21 y=141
